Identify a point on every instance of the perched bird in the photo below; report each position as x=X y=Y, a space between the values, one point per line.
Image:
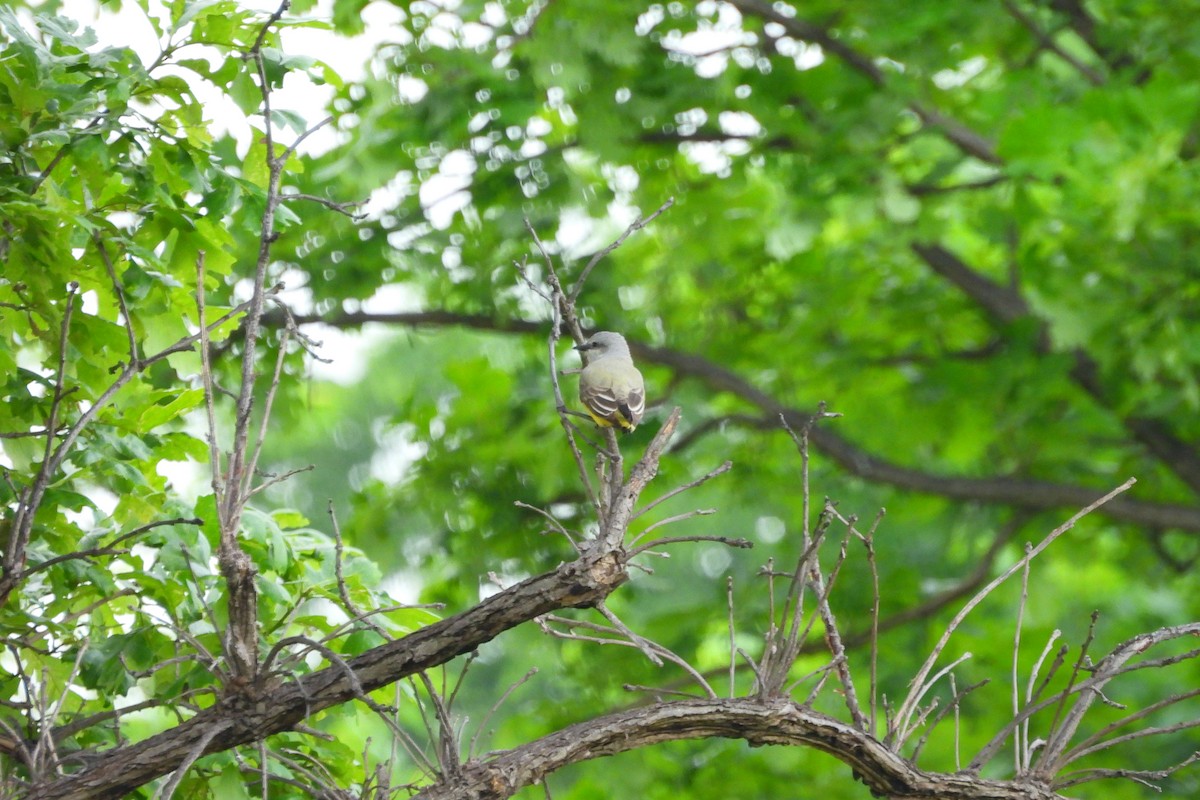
x=610 y=386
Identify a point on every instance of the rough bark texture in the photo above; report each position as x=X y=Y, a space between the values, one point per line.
x=240 y=719
x=759 y=722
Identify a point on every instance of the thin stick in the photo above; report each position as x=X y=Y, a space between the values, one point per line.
x=119 y=291
x=1020 y=754
x=339 y=549
x=261 y=439
x=732 y=638
x=1029 y=693
x=721 y=470
x=1109 y=668
x=1084 y=747
x=637 y=225
x=957 y=723
x=834 y=638
x=869 y=543
x=1055 y=732
x=742 y=544
x=495 y=706
x=214 y=452
x=552 y=348
x=553 y=522
x=641 y=642
x=907 y=730
x=1081 y=752
x=1138 y=776
x=953 y=706
x=216 y=729
x=905 y=711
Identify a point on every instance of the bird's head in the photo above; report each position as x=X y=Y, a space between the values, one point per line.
x=604 y=342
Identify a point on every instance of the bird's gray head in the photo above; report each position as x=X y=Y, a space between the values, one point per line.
x=603 y=343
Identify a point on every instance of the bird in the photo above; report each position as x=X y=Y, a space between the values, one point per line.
x=610 y=386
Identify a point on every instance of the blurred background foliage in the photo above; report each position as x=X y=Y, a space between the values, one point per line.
x=967 y=228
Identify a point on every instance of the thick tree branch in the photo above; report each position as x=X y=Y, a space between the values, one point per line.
x=1082 y=23
x=811 y=32
x=241 y=718
x=1006 y=305
x=970 y=142
x=759 y=722
x=1032 y=494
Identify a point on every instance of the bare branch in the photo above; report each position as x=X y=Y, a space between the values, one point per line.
x=721 y=470
x=1143 y=777
x=636 y=225
x=760 y=722
x=725 y=540
x=904 y=713
x=1018 y=492
x=1046 y=42
x=495 y=706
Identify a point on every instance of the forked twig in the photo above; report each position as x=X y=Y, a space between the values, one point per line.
x=917 y=685
x=637 y=225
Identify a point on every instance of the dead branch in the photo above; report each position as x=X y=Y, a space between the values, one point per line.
x=758 y=721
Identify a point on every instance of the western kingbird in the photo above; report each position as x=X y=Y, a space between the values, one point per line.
x=610 y=386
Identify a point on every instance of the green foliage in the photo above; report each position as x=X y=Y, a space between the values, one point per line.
x=114 y=190
x=802 y=182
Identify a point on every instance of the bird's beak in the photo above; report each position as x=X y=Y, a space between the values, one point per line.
x=584 y=346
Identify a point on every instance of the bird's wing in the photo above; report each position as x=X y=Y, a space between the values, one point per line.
x=635 y=405
x=614 y=394
x=602 y=401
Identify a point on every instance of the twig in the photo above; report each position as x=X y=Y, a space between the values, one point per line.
x=341 y=208
x=1020 y=745
x=779 y=648
x=954 y=705
x=1138 y=776
x=556 y=313
x=214 y=450
x=637 y=225
x=1096 y=741
x=732 y=638
x=138 y=531
x=1045 y=41
x=1109 y=668
x=78 y=554
x=721 y=470
x=30 y=498
x=119 y=291
x=495 y=706
x=905 y=732
x=211 y=732
x=447 y=743
x=869 y=543
x=834 y=638
x=287 y=153
x=822 y=670
x=743 y=544
x=261 y=439
x=678 y=517
x=343 y=590
x=904 y=713
x=1031 y=694
x=1056 y=733
x=640 y=642
x=609 y=637
x=657 y=691
x=1128 y=737
x=554 y=523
